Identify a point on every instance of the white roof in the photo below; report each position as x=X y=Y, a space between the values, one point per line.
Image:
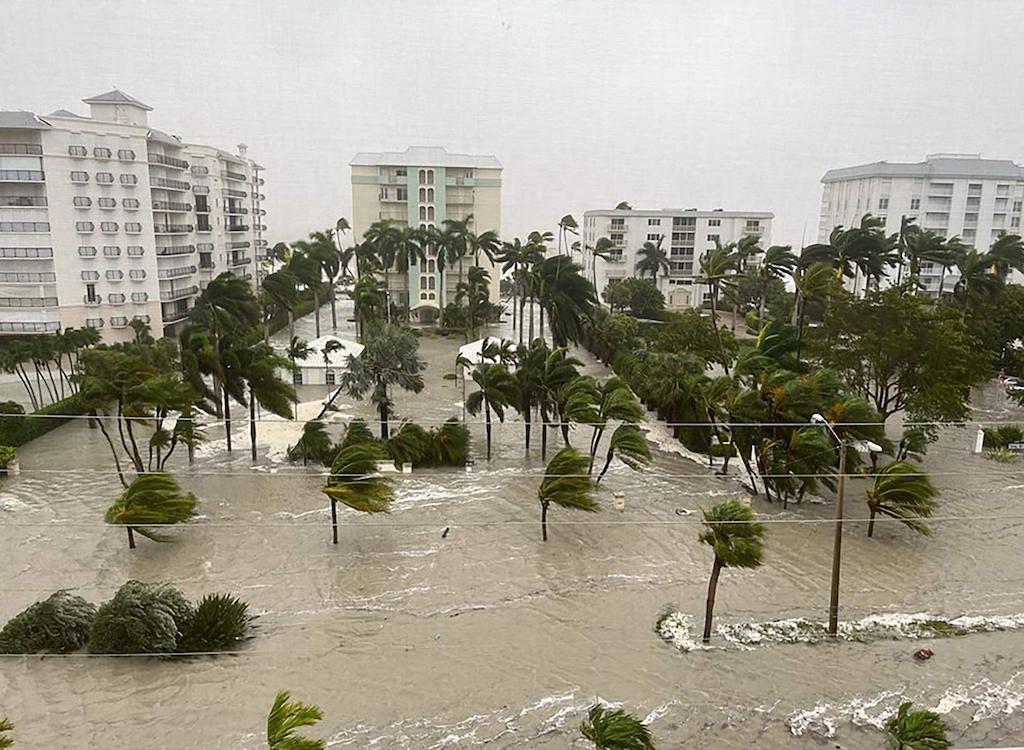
x=116 y=96
x=21 y=120
x=337 y=358
x=423 y=156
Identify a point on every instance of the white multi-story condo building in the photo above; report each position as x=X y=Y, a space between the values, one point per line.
x=104 y=219
x=422 y=187
x=949 y=194
x=685 y=235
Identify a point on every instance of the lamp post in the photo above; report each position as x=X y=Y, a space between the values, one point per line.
x=837 y=540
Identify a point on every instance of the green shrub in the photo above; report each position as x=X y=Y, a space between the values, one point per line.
x=449 y=444
x=409 y=444
x=1003 y=435
x=314 y=445
x=720 y=450
x=57 y=625
x=7 y=454
x=357 y=432
x=218 y=623
x=140 y=619
x=17 y=431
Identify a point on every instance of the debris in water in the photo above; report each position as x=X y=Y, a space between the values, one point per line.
x=444 y=534
x=684 y=512
x=924 y=654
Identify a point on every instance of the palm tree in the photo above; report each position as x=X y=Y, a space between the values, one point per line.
x=305 y=266
x=226 y=306
x=390 y=359
x=285 y=717
x=615 y=401
x=922 y=245
x=902 y=491
x=737 y=540
x=281 y=289
x=529 y=373
x=5 y=726
x=409 y=249
x=917 y=730
x=813 y=284
x=629 y=445
x=652 y=259
x=260 y=370
x=558 y=370
x=369 y=302
x=615 y=730
x=567 y=296
x=566 y=484
x=496 y=390
x=977 y=282
x=716 y=268
x=604 y=249
x=566 y=225
x=151 y=500
x=777 y=262
x=354 y=481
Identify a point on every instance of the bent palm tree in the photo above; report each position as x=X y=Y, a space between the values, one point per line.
x=496 y=390
x=903 y=492
x=737 y=540
x=615 y=730
x=151 y=500
x=630 y=446
x=6 y=726
x=917 y=730
x=285 y=717
x=652 y=259
x=354 y=481
x=566 y=484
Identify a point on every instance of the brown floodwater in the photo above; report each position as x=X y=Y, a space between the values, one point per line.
x=487 y=637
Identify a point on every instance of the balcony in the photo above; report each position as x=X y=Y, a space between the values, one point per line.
x=20 y=149
x=235 y=245
x=22 y=175
x=168 y=161
x=168 y=295
x=243 y=261
x=235 y=210
x=615 y=258
x=176 y=250
x=234 y=193
x=175 y=316
x=466 y=181
x=164 y=183
x=93 y=301
x=753 y=230
x=23 y=201
x=20 y=326
x=237 y=228
x=226 y=174
x=26 y=253
x=27 y=277
x=172 y=207
x=173 y=228
x=175 y=273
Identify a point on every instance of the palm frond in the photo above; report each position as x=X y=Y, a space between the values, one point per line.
x=287 y=716
x=152 y=500
x=566 y=482
x=615 y=729
x=734 y=535
x=140 y=619
x=630 y=446
x=902 y=491
x=917 y=730
x=354 y=480
x=219 y=622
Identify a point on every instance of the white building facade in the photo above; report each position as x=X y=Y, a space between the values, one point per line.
x=422 y=187
x=685 y=235
x=949 y=194
x=104 y=219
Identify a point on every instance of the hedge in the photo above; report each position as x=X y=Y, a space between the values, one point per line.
x=16 y=431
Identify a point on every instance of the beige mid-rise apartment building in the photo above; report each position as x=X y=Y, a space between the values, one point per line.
x=105 y=219
x=423 y=187
x=949 y=194
x=685 y=235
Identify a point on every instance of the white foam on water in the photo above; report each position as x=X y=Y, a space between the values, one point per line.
x=11 y=504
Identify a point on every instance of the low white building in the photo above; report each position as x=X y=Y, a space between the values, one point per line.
x=685 y=235
x=316 y=369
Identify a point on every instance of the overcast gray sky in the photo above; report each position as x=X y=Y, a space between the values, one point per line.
x=741 y=105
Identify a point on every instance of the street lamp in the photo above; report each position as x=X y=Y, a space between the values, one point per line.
x=837 y=542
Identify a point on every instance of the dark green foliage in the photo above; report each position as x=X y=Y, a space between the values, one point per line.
x=140 y=619
x=449 y=444
x=7 y=454
x=917 y=730
x=354 y=480
x=315 y=445
x=57 y=625
x=219 y=622
x=615 y=729
x=5 y=726
x=1002 y=435
x=287 y=716
x=357 y=432
x=641 y=298
x=152 y=500
x=18 y=431
x=409 y=444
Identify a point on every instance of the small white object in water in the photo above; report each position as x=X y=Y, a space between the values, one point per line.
x=619 y=501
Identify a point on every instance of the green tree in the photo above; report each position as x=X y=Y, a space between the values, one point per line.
x=261 y=366
x=58 y=624
x=355 y=482
x=496 y=389
x=615 y=401
x=389 y=360
x=777 y=262
x=529 y=377
x=566 y=484
x=688 y=332
x=652 y=258
x=280 y=290
x=567 y=297
x=629 y=445
x=5 y=726
x=285 y=717
x=614 y=729
x=917 y=730
x=902 y=491
x=738 y=542
x=717 y=268
x=151 y=500
x=641 y=297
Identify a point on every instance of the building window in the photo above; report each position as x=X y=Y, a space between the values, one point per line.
x=79 y=176
x=101 y=153
x=753 y=225
x=108 y=226
x=137 y=273
x=136 y=251
x=126 y=154
x=915 y=204
x=112 y=251
x=86 y=251
x=119 y=322
x=1014 y=221
x=90 y=294
x=430 y=213
x=82 y=201
x=713 y=237
x=140 y=296
x=130 y=203
x=423 y=213
x=430 y=176
x=90 y=275
x=423 y=195
x=114 y=274
x=94 y=322
x=133 y=227
x=383 y=193
x=129 y=179
x=329 y=377
x=654 y=222
x=143 y=318
x=653 y=237
x=1016 y=207
x=78 y=151
x=104 y=178
x=401 y=194
x=423 y=177
x=400 y=172
x=430 y=195
x=297 y=377
x=714 y=222
x=84 y=226
x=115 y=299
x=107 y=203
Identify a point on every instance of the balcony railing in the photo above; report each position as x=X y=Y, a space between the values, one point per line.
x=172 y=207
x=237 y=228
x=22 y=175
x=23 y=201
x=616 y=258
x=20 y=149
x=234 y=193
x=175 y=316
x=234 y=175
x=234 y=245
x=235 y=210
x=167 y=184
x=176 y=250
x=93 y=301
x=239 y=261
x=173 y=228
x=27 y=277
x=172 y=294
x=168 y=161
x=175 y=273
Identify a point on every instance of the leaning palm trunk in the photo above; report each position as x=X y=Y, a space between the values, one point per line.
x=334 y=308
x=709 y=610
x=487 y=427
x=718 y=333
x=252 y=423
x=527 y=428
x=316 y=307
x=544 y=520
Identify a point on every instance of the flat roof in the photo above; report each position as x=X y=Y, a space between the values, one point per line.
x=934 y=166
x=423 y=156
x=697 y=212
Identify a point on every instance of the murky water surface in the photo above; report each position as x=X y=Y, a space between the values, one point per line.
x=488 y=637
